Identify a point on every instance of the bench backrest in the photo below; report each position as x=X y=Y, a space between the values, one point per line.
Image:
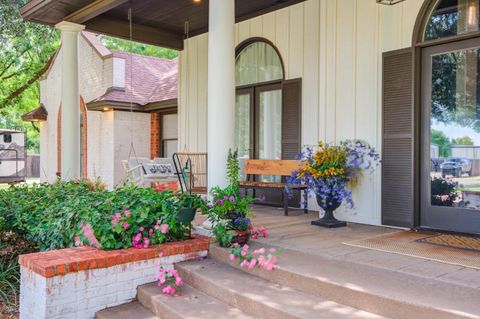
x=271 y=167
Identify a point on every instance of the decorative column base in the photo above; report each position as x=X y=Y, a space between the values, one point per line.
x=329 y=221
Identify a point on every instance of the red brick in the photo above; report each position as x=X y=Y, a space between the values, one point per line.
x=60 y=262
x=61 y=270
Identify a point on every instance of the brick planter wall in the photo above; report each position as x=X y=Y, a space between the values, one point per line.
x=78 y=282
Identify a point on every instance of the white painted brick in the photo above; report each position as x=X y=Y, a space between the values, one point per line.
x=80 y=295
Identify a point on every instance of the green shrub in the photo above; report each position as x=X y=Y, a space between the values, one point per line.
x=52 y=215
x=9 y=283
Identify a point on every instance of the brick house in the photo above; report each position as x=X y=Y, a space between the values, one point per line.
x=123 y=98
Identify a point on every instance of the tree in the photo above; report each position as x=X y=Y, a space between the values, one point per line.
x=464 y=140
x=442 y=141
x=137 y=48
x=25 y=51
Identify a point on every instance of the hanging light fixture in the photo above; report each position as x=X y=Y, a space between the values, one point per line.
x=389 y=2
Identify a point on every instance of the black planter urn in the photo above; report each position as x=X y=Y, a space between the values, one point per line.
x=233 y=214
x=329 y=220
x=186 y=215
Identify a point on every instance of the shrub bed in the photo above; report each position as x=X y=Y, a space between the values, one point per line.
x=63 y=214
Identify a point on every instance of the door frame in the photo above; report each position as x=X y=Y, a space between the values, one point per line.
x=439 y=217
x=161 y=114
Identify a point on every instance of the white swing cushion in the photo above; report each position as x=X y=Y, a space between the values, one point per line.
x=164 y=170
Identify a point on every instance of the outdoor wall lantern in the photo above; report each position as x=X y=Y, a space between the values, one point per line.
x=389 y=2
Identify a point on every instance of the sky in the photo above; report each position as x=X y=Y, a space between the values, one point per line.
x=454 y=131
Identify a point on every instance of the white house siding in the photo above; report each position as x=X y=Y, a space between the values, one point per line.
x=336 y=47
x=128 y=127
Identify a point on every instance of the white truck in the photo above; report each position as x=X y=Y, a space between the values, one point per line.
x=13 y=156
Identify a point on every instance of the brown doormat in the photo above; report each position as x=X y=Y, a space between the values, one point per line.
x=415 y=244
x=453 y=241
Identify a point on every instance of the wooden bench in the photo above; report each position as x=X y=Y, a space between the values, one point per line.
x=281 y=168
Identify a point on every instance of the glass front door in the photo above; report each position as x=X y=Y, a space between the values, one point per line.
x=258 y=130
x=269 y=127
x=451 y=137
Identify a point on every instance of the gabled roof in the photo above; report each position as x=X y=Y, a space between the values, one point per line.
x=95 y=42
x=147 y=80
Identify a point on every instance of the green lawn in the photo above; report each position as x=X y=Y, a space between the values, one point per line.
x=473 y=188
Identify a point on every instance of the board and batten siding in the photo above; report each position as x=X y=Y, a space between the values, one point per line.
x=336 y=47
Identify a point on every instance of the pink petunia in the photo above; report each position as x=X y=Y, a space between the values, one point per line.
x=260 y=251
x=127 y=213
x=88 y=232
x=126 y=225
x=164 y=228
x=169 y=290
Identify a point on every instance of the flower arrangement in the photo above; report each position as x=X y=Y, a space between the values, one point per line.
x=263 y=258
x=228 y=210
x=227 y=203
x=171 y=282
x=330 y=170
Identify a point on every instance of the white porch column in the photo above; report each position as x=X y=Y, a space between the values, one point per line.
x=70 y=100
x=221 y=88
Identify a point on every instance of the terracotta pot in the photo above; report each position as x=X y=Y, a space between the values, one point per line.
x=241 y=238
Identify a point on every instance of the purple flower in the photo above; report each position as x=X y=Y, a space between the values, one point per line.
x=231 y=199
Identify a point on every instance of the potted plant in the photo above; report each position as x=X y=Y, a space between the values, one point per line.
x=241 y=226
x=187 y=206
x=228 y=211
x=329 y=172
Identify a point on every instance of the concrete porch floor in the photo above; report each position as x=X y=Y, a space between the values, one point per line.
x=294 y=232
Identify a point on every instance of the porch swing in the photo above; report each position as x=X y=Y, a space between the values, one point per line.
x=141 y=170
x=191 y=167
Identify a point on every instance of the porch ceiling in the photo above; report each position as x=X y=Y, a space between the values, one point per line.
x=158 y=22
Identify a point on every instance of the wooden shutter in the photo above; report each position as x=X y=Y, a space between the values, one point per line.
x=398 y=162
x=291 y=118
x=292 y=126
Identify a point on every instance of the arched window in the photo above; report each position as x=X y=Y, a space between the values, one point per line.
x=259 y=76
x=452 y=17
x=258 y=62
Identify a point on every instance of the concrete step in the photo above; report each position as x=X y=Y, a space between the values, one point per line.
x=191 y=304
x=259 y=297
x=384 y=292
x=126 y=311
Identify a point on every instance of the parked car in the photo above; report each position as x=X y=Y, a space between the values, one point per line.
x=456 y=167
